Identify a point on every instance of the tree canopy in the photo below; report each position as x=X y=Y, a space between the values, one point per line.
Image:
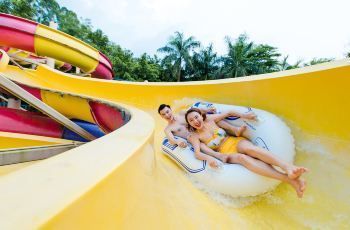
x=181 y=58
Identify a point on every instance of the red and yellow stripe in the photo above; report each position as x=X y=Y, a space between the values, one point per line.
x=44 y=41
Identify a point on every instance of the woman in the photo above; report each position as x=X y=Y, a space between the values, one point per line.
x=204 y=129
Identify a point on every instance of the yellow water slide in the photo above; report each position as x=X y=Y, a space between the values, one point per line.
x=122 y=180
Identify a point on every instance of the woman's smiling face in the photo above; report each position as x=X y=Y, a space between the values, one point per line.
x=195 y=120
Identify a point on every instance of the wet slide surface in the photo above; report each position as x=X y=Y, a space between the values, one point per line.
x=124 y=180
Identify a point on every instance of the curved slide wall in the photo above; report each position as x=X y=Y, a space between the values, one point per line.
x=105 y=116
x=123 y=179
x=44 y=41
x=33 y=123
x=27 y=55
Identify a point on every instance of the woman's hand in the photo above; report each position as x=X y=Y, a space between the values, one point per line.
x=213 y=163
x=223 y=157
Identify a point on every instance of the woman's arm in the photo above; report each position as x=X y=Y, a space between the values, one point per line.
x=217 y=155
x=205 y=149
x=194 y=140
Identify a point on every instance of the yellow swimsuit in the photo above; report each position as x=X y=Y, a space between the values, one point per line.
x=223 y=143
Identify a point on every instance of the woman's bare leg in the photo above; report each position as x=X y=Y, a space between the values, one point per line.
x=261 y=168
x=246 y=147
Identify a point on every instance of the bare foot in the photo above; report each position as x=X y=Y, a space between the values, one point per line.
x=238 y=132
x=299 y=185
x=295 y=172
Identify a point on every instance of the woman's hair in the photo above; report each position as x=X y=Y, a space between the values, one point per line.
x=191 y=110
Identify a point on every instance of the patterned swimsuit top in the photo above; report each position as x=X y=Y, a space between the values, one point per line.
x=215 y=141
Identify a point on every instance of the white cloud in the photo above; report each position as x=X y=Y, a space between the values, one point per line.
x=301 y=29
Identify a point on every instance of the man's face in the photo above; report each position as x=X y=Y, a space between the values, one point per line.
x=166 y=114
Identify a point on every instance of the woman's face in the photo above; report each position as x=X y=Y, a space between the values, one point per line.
x=195 y=120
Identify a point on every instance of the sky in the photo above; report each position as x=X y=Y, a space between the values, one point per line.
x=302 y=29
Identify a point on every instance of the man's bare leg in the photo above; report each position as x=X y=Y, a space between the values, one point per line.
x=231 y=129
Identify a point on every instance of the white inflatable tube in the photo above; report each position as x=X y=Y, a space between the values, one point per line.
x=267 y=132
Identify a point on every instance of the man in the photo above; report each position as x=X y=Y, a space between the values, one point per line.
x=177 y=126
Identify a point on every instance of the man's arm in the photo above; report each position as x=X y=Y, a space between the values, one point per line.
x=228 y=127
x=231 y=113
x=208 y=110
x=204 y=110
x=182 y=112
x=169 y=134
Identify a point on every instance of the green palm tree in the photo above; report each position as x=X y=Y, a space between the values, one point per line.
x=245 y=58
x=178 y=52
x=263 y=59
x=205 y=64
x=316 y=61
x=237 y=63
x=284 y=65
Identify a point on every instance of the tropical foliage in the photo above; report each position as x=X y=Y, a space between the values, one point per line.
x=318 y=61
x=180 y=59
x=205 y=64
x=246 y=58
x=178 y=53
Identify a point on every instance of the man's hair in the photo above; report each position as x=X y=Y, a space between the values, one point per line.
x=162 y=106
x=191 y=110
